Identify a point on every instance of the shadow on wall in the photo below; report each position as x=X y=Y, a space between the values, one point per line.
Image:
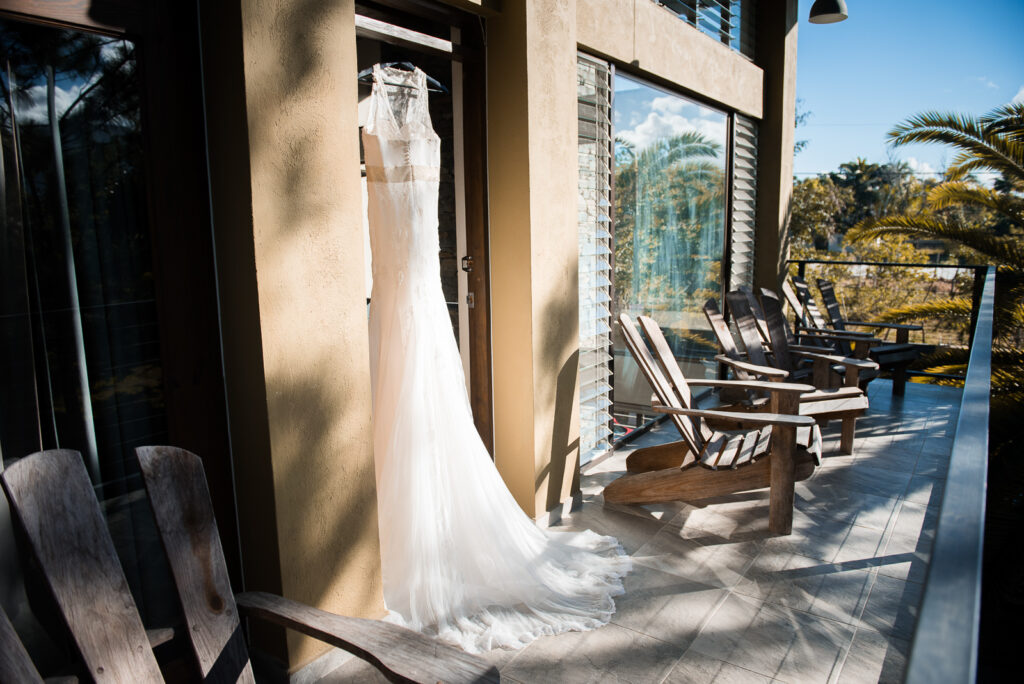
x=559 y=358
x=294 y=329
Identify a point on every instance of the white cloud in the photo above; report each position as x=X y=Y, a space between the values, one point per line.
x=32 y=102
x=987 y=82
x=918 y=166
x=666 y=119
x=1019 y=97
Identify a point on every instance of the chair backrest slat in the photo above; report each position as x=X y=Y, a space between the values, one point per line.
x=54 y=503
x=811 y=310
x=744 y=317
x=777 y=329
x=661 y=386
x=180 y=499
x=722 y=333
x=15 y=663
x=794 y=303
x=758 y=313
x=828 y=296
x=668 y=363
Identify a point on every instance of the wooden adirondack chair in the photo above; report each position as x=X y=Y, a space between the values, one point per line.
x=53 y=502
x=844 y=403
x=891 y=357
x=826 y=402
x=824 y=367
x=708 y=462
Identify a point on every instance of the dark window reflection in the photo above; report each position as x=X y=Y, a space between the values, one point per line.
x=79 y=344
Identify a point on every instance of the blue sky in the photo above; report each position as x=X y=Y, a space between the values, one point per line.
x=895 y=58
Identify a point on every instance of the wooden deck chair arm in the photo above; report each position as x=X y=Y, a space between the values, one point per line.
x=773 y=387
x=825 y=333
x=889 y=326
x=840 y=336
x=743 y=417
x=860 y=364
x=752 y=368
x=810 y=348
x=406 y=655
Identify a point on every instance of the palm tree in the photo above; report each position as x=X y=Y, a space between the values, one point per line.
x=987 y=222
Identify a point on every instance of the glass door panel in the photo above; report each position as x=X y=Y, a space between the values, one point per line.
x=670 y=213
x=79 y=337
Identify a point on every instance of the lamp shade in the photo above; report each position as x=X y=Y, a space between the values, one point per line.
x=828 y=11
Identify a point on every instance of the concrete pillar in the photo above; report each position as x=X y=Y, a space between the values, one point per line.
x=532 y=177
x=280 y=83
x=776 y=54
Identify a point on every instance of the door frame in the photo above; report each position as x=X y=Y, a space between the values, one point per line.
x=469 y=50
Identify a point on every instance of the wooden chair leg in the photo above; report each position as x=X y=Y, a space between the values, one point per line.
x=846 y=439
x=783 y=473
x=899 y=380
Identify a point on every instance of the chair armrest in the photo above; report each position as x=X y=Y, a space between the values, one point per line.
x=750 y=368
x=813 y=349
x=748 y=417
x=849 y=362
x=840 y=336
x=394 y=650
x=779 y=387
x=891 y=326
x=830 y=332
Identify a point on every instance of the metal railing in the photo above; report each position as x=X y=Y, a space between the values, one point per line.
x=945 y=643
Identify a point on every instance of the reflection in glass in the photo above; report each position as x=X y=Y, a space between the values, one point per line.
x=670 y=163
x=79 y=340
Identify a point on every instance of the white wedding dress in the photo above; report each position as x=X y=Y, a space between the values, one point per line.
x=460 y=558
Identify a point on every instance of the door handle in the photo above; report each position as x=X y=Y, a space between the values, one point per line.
x=467 y=264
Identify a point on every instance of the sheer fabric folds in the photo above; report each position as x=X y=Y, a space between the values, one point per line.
x=460 y=558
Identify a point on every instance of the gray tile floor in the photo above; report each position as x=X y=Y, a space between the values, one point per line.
x=715 y=598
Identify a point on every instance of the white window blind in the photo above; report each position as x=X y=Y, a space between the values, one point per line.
x=595 y=264
x=744 y=201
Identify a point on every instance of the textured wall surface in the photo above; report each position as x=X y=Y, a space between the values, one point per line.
x=294 y=315
x=532 y=186
x=656 y=43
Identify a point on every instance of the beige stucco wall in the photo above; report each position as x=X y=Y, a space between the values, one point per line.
x=532 y=176
x=281 y=92
x=284 y=163
x=649 y=40
x=777 y=44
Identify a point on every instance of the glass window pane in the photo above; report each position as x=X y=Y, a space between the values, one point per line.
x=79 y=339
x=670 y=209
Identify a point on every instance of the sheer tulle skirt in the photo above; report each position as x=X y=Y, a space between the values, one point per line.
x=460 y=558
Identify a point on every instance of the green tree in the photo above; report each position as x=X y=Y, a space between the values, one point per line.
x=817 y=209
x=878 y=189
x=986 y=224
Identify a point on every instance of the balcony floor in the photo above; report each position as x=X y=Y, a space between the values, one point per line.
x=714 y=597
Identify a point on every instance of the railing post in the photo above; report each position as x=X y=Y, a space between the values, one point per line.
x=979 y=287
x=801 y=269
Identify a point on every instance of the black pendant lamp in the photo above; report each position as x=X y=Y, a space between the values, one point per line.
x=828 y=11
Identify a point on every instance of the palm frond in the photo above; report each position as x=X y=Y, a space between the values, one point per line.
x=987 y=148
x=1000 y=249
x=955 y=311
x=952 y=193
x=1007 y=120
x=946 y=356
